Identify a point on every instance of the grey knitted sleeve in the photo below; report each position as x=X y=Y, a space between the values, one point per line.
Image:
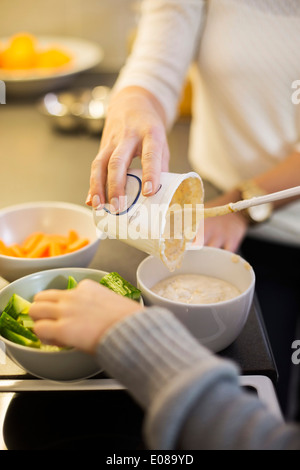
x=192 y=398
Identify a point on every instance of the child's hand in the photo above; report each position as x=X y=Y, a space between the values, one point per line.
x=79 y=317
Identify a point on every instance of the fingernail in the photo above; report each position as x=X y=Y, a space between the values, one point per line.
x=147 y=188
x=96 y=203
x=115 y=205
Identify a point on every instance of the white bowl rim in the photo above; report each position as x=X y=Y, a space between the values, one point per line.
x=212 y=304
x=43 y=204
x=30 y=204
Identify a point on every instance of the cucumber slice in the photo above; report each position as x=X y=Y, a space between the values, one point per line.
x=25 y=320
x=17 y=305
x=119 y=285
x=19 y=339
x=71 y=283
x=6 y=321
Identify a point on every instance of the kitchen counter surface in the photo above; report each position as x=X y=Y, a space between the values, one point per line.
x=40 y=163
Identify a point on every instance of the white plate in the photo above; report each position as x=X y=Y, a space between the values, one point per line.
x=86 y=55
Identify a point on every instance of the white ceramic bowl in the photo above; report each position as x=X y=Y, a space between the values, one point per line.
x=65 y=365
x=19 y=221
x=215 y=325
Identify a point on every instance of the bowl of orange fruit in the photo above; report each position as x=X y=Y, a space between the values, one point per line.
x=31 y=64
x=37 y=236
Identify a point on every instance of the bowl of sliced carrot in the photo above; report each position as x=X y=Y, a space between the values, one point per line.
x=44 y=235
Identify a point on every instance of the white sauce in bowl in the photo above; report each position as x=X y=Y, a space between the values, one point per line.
x=195 y=289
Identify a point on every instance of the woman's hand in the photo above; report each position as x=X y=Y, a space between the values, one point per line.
x=79 y=317
x=226 y=231
x=134 y=127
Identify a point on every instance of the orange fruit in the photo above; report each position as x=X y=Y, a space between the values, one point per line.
x=23 y=40
x=20 y=52
x=52 y=57
x=1 y=51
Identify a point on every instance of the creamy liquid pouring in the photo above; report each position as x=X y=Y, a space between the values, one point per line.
x=195 y=289
x=181 y=223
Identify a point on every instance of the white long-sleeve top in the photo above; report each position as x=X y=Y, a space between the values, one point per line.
x=245 y=57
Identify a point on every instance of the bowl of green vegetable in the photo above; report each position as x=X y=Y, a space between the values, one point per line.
x=16 y=327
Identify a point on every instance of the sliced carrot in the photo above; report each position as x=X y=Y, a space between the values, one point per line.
x=59 y=240
x=72 y=237
x=9 y=252
x=80 y=243
x=55 y=249
x=40 y=250
x=32 y=241
x=17 y=251
x=4 y=249
x=39 y=244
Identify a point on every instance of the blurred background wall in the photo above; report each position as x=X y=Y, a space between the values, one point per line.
x=108 y=22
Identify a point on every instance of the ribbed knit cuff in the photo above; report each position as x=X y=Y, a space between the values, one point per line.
x=150 y=351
